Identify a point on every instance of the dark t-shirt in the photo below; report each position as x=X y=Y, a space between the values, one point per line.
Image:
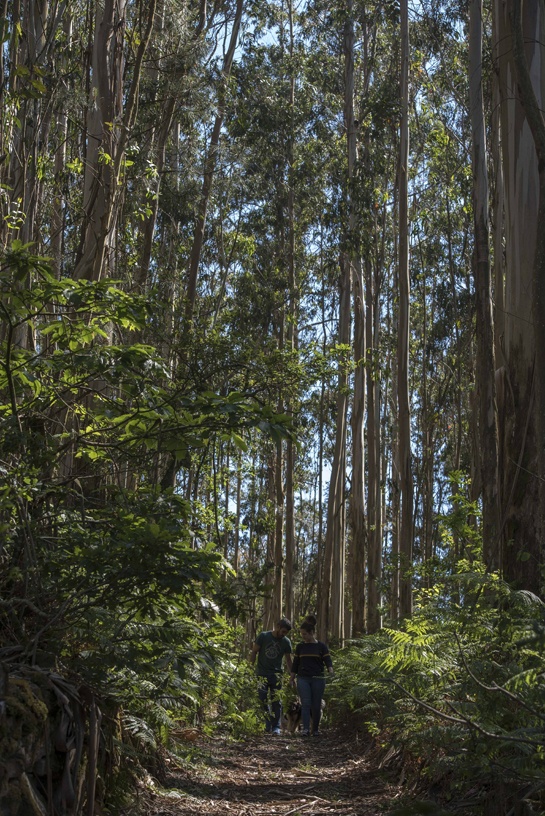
x=310 y=659
x=271 y=652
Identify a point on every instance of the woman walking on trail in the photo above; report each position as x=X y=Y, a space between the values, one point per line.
x=311 y=657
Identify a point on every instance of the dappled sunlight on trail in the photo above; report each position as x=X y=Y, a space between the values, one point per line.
x=277 y=776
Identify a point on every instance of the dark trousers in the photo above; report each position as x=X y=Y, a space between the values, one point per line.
x=269 y=694
x=311 y=692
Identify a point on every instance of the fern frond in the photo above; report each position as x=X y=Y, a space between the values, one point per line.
x=527 y=598
x=139 y=730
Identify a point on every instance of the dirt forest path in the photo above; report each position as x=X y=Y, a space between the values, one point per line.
x=276 y=776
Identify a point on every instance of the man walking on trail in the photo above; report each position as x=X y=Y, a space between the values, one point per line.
x=270 y=649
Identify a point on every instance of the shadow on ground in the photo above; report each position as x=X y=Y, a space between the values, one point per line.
x=276 y=776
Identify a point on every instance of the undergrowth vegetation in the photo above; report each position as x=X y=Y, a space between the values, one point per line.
x=107 y=572
x=113 y=579
x=452 y=700
x=456 y=694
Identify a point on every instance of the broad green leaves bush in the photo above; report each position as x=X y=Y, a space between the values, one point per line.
x=106 y=570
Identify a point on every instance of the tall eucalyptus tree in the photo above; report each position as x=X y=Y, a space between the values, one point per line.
x=353 y=249
x=485 y=368
x=518 y=49
x=404 y=414
x=210 y=165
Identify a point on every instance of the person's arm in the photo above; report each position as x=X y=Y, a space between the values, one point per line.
x=294 y=667
x=253 y=653
x=289 y=661
x=326 y=657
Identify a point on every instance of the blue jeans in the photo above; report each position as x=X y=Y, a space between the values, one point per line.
x=269 y=694
x=311 y=691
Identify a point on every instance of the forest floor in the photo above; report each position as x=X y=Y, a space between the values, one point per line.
x=275 y=776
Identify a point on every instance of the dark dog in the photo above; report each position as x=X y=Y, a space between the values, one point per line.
x=291 y=719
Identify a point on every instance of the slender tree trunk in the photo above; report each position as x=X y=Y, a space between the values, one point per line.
x=3 y=84
x=8 y=167
x=279 y=501
x=278 y=533
x=338 y=570
x=357 y=505
x=427 y=428
x=30 y=119
x=335 y=535
x=209 y=171
x=519 y=43
x=57 y=222
x=320 y=553
x=485 y=364
x=290 y=531
x=293 y=298
x=148 y=230
x=105 y=108
x=373 y=447
x=227 y=498
x=269 y=581
x=236 y=555
x=533 y=110
x=404 y=417
x=111 y=117
x=498 y=205
x=395 y=592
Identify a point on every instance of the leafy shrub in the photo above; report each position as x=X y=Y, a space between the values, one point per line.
x=459 y=687
x=106 y=571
